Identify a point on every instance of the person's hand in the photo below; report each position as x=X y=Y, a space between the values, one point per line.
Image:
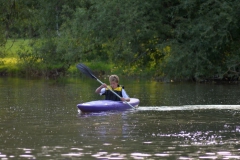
x=103 y=85
x=98 y=90
x=125 y=99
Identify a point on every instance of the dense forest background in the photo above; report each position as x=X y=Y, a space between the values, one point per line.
x=166 y=39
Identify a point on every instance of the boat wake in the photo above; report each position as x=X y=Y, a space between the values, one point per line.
x=187 y=107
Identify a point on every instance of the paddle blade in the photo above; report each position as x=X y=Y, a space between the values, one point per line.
x=85 y=70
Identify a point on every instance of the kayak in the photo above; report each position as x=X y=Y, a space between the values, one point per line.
x=107 y=105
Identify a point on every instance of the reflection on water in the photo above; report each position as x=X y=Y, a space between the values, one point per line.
x=39 y=120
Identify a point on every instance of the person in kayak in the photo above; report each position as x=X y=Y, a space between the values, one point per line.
x=105 y=90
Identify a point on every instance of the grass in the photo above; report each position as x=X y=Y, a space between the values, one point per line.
x=14 y=45
x=9 y=64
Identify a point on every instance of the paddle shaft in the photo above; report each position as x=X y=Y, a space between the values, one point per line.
x=114 y=92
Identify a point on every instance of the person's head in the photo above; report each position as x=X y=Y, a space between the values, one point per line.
x=113 y=80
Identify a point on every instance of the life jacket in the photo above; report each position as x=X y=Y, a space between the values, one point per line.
x=111 y=96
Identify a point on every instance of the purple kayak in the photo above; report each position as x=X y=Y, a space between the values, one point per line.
x=107 y=105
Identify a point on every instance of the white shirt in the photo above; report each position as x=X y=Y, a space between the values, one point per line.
x=124 y=94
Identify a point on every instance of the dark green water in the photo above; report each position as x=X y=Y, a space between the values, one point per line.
x=39 y=120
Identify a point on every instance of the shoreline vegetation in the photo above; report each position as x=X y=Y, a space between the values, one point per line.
x=164 y=41
x=12 y=66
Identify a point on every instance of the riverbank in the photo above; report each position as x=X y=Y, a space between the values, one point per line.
x=13 y=67
x=12 y=63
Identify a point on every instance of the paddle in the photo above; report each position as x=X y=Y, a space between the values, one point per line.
x=85 y=70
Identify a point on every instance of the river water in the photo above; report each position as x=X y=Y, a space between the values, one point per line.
x=39 y=120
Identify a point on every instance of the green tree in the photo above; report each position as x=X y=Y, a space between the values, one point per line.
x=122 y=31
x=181 y=39
x=204 y=41
x=53 y=49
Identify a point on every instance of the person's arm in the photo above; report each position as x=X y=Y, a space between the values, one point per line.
x=98 y=90
x=125 y=97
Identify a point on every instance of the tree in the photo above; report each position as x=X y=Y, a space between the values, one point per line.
x=126 y=31
x=204 y=42
x=52 y=50
x=181 y=39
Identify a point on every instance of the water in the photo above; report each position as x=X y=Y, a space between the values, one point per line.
x=39 y=120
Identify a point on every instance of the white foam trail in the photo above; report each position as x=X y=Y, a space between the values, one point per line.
x=188 y=107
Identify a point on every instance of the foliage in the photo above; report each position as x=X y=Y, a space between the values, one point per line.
x=177 y=39
x=204 y=34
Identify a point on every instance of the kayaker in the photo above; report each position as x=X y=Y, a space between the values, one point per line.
x=105 y=90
